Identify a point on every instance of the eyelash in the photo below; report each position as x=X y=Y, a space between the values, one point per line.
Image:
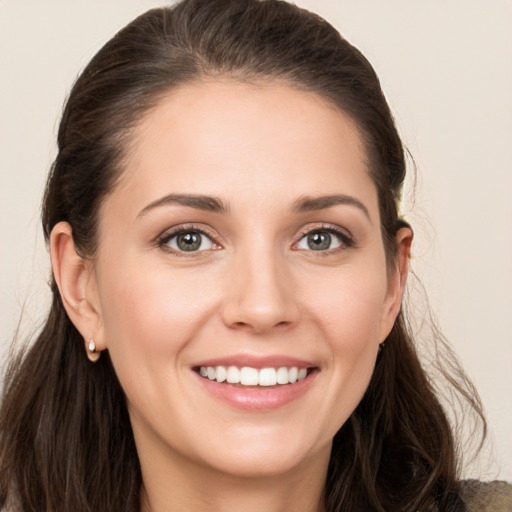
x=164 y=239
x=345 y=239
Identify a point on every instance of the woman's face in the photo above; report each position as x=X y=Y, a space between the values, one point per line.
x=242 y=242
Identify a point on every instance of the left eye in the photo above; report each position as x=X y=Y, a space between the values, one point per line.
x=319 y=241
x=189 y=241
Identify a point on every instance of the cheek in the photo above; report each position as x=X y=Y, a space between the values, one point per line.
x=151 y=317
x=348 y=312
x=348 y=304
x=351 y=325
x=153 y=312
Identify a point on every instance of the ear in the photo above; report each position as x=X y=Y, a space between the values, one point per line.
x=76 y=281
x=396 y=281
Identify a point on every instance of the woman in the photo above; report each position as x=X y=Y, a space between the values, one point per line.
x=228 y=265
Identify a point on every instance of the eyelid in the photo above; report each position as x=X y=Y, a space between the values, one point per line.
x=346 y=238
x=163 y=239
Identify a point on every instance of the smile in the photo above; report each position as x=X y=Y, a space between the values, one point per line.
x=257 y=383
x=248 y=376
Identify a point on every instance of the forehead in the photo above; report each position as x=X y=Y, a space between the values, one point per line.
x=229 y=138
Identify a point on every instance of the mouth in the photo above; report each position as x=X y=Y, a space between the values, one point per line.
x=247 y=376
x=257 y=383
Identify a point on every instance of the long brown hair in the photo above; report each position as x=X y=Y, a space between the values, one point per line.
x=65 y=437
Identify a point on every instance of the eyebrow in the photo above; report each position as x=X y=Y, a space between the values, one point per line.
x=216 y=205
x=199 y=202
x=310 y=204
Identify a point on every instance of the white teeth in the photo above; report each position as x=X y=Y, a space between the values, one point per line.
x=248 y=376
x=221 y=373
x=233 y=375
x=267 y=377
x=282 y=375
x=302 y=374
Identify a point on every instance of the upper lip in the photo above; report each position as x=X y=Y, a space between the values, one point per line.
x=258 y=362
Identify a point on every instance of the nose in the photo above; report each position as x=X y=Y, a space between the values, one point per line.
x=260 y=295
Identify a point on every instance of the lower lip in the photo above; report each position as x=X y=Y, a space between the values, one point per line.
x=258 y=397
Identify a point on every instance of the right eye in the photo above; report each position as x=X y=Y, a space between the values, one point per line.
x=188 y=240
x=320 y=241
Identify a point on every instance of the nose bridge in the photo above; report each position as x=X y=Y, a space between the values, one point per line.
x=260 y=295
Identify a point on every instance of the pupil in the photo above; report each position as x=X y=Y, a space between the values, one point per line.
x=189 y=241
x=319 y=241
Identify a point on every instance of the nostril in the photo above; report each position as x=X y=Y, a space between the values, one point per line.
x=260 y=327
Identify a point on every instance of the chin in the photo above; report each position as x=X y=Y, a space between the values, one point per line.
x=265 y=458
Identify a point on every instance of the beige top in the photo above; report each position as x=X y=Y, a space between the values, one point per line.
x=487 y=496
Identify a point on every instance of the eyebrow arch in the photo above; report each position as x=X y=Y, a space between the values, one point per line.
x=310 y=204
x=200 y=202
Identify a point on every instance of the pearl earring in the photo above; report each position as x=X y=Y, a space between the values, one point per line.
x=92 y=354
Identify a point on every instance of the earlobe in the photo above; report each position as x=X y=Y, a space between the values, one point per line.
x=76 y=282
x=397 y=280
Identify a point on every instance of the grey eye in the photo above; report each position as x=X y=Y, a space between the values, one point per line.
x=190 y=241
x=319 y=241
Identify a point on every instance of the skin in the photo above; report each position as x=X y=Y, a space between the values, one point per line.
x=257 y=288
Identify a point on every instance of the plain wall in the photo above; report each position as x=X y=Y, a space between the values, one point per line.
x=446 y=68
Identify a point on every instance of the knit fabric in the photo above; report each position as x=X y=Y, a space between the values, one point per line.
x=493 y=496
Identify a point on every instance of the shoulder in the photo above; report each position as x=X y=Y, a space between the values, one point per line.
x=493 y=496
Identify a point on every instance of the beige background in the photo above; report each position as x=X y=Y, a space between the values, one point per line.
x=446 y=67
